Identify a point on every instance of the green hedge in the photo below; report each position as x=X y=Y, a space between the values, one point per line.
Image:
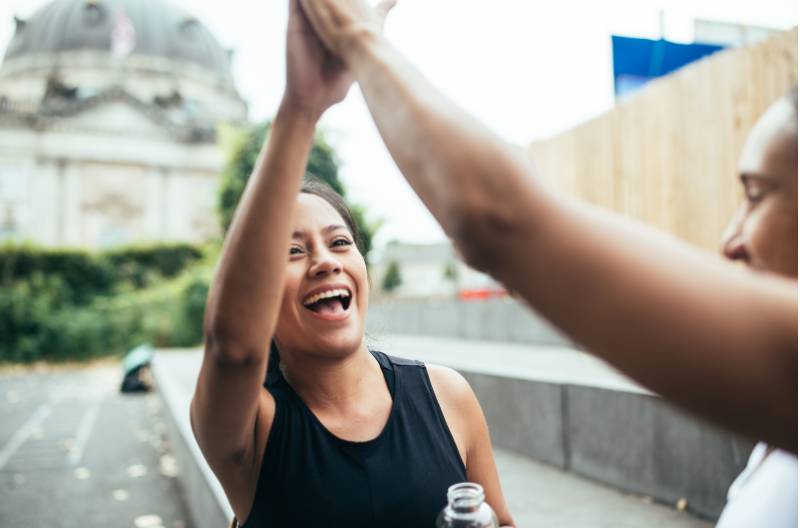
x=68 y=305
x=141 y=266
x=81 y=276
x=38 y=325
x=88 y=275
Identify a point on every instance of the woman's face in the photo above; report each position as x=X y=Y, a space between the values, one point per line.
x=763 y=232
x=325 y=290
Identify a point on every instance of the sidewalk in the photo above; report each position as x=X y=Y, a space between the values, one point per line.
x=75 y=453
x=538 y=494
x=513 y=360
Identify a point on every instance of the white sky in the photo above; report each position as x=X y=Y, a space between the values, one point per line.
x=526 y=68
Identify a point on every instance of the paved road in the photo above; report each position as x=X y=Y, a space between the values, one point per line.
x=74 y=452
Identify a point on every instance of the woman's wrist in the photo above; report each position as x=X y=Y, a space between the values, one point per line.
x=297 y=112
x=357 y=44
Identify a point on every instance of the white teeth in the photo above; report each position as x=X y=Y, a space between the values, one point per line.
x=326 y=295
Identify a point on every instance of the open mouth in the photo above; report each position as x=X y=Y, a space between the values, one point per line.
x=330 y=303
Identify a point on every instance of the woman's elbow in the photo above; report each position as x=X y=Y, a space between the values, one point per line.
x=226 y=346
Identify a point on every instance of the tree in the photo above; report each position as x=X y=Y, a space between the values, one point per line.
x=243 y=147
x=392 y=278
x=450 y=272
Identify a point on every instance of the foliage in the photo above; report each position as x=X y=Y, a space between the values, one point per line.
x=42 y=318
x=450 y=271
x=80 y=275
x=244 y=148
x=142 y=265
x=85 y=275
x=392 y=278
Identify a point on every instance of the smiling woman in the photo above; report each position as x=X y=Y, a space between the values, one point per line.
x=301 y=423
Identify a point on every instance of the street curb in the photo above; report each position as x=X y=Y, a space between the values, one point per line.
x=204 y=495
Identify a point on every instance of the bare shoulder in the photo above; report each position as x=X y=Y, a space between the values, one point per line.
x=450 y=385
x=460 y=407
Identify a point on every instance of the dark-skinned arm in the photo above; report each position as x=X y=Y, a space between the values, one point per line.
x=718 y=340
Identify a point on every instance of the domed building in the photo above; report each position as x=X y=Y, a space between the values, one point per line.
x=109 y=111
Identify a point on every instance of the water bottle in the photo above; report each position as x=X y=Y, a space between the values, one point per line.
x=466 y=508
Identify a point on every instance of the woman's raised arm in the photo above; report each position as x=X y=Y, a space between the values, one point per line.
x=231 y=412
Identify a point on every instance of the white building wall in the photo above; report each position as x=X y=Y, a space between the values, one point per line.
x=179 y=212
x=44 y=202
x=70 y=224
x=15 y=173
x=70 y=187
x=155 y=203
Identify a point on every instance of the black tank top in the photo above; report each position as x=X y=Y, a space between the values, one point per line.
x=311 y=478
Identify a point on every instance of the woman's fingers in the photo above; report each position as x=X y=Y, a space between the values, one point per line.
x=319 y=19
x=332 y=20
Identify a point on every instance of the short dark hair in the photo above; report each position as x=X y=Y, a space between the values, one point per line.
x=316 y=187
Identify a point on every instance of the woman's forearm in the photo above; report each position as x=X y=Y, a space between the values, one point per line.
x=720 y=341
x=246 y=294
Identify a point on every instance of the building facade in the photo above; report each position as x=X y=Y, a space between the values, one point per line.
x=109 y=112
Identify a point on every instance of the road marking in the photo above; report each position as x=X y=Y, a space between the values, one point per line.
x=82 y=435
x=137 y=470
x=23 y=433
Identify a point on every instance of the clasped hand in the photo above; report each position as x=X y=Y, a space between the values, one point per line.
x=317 y=39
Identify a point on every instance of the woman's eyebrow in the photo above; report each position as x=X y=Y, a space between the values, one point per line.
x=333 y=227
x=302 y=233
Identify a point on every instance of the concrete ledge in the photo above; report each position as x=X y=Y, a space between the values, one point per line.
x=640 y=443
x=632 y=441
x=502 y=320
x=204 y=495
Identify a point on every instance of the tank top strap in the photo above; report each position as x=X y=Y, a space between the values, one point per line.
x=387 y=361
x=417 y=400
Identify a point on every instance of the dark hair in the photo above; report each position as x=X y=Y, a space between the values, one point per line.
x=314 y=186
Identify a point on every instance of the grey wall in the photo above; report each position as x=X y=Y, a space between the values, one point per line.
x=634 y=442
x=490 y=320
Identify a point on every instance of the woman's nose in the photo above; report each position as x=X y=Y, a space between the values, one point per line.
x=324 y=263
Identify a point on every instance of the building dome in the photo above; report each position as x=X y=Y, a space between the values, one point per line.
x=159 y=29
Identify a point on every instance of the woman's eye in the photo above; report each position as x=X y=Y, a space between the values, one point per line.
x=342 y=242
x=294 y=250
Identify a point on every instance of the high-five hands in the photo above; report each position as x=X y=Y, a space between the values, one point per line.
x=315 y=78
x=337 y=23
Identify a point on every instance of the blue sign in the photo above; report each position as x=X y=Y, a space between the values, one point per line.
x=638 y=61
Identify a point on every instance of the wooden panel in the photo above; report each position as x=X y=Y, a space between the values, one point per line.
x=668 y=155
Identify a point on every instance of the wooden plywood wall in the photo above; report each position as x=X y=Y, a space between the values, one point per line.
x=668 y=155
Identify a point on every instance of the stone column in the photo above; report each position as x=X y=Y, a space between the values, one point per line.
x=71 y=199
x=60 y=202
x=163 y=204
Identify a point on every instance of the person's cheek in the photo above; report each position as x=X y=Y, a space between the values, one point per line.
x=768 y=238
